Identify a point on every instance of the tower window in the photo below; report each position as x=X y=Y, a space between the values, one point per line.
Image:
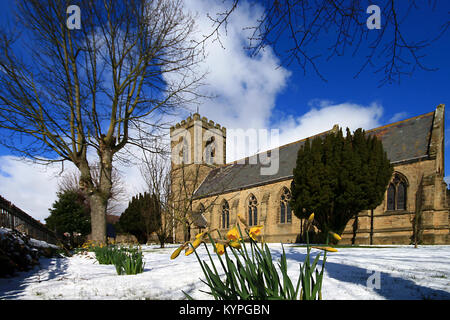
x=210 y=147
x=184 y=151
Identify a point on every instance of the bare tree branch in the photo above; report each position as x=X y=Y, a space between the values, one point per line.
x=69 y=94
x=306 y=22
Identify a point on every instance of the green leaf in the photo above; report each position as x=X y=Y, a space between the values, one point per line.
x=187 y=296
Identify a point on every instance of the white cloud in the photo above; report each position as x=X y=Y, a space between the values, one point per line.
x=447 y=180
x=245 y=87
x=323 y=117
x=31 y=187
x=398 y=116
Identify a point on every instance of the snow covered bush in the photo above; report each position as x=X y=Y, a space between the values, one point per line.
x=18 y=252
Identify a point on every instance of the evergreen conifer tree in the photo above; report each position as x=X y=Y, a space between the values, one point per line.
x=142 y=216
x=69 y=213
x=336 y=177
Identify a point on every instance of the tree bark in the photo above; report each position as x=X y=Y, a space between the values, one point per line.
x=98 y=218
x=98 y=193
x=99 y=199
x=355 y=229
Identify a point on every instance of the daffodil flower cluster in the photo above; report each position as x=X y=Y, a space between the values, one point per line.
x=185 y=246
x=233 y=239
x=89 y=244
x=251 y=274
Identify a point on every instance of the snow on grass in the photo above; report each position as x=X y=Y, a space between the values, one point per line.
x=404 y=273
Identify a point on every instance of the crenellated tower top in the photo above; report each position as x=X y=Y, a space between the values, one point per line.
x=198 y=141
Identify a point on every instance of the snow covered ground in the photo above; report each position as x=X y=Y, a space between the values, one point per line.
x=402 y=273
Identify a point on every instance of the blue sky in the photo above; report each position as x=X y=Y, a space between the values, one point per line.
x=414 y=95
x=258 y=93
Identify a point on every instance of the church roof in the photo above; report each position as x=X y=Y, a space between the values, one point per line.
x=406 y=140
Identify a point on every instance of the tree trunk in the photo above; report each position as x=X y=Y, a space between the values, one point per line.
x=355 y=229
x=98 y=218
x=98 y=190
x=371 y=227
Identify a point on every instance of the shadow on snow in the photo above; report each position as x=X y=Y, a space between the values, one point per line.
x=391 y=287
x=48 y=269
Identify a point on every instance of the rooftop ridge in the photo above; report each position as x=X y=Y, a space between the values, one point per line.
x=282 y=146
x=321 y=133
x=416 y=130
x=401 y=121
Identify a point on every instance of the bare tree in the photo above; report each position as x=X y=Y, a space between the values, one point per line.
x=175 y=189
x=156 y=172
x=70 y=181
x=344 y=24
x=75 y=95
x=185 y=180
x=175 y=193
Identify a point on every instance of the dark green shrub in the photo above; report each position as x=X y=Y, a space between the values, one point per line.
x=336 y=177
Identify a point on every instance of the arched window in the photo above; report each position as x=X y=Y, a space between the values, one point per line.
x=252 y=211
x=285 y=207
x=184 y=150
x=401 y=196
x=396 y=193
x=391 y=197
x=225 y=216
x=210 y=147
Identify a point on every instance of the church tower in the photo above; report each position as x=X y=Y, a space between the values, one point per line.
x=197 y=147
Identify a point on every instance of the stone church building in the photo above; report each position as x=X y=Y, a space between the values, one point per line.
x=209 y=193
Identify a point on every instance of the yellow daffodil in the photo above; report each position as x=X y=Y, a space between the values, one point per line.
x=330 y=249
x=197 y=242
x=233 y=234
x=255 y=231
x=220 y=248
x=235 y=244
x=189 y=251
x=311 y=217
x=177 y=252
x=200 y=235
x=335 y=235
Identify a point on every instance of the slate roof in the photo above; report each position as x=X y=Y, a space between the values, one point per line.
x=406 y=140
x=199 y=220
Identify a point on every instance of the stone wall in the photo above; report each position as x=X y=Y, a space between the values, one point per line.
x=268 y=211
